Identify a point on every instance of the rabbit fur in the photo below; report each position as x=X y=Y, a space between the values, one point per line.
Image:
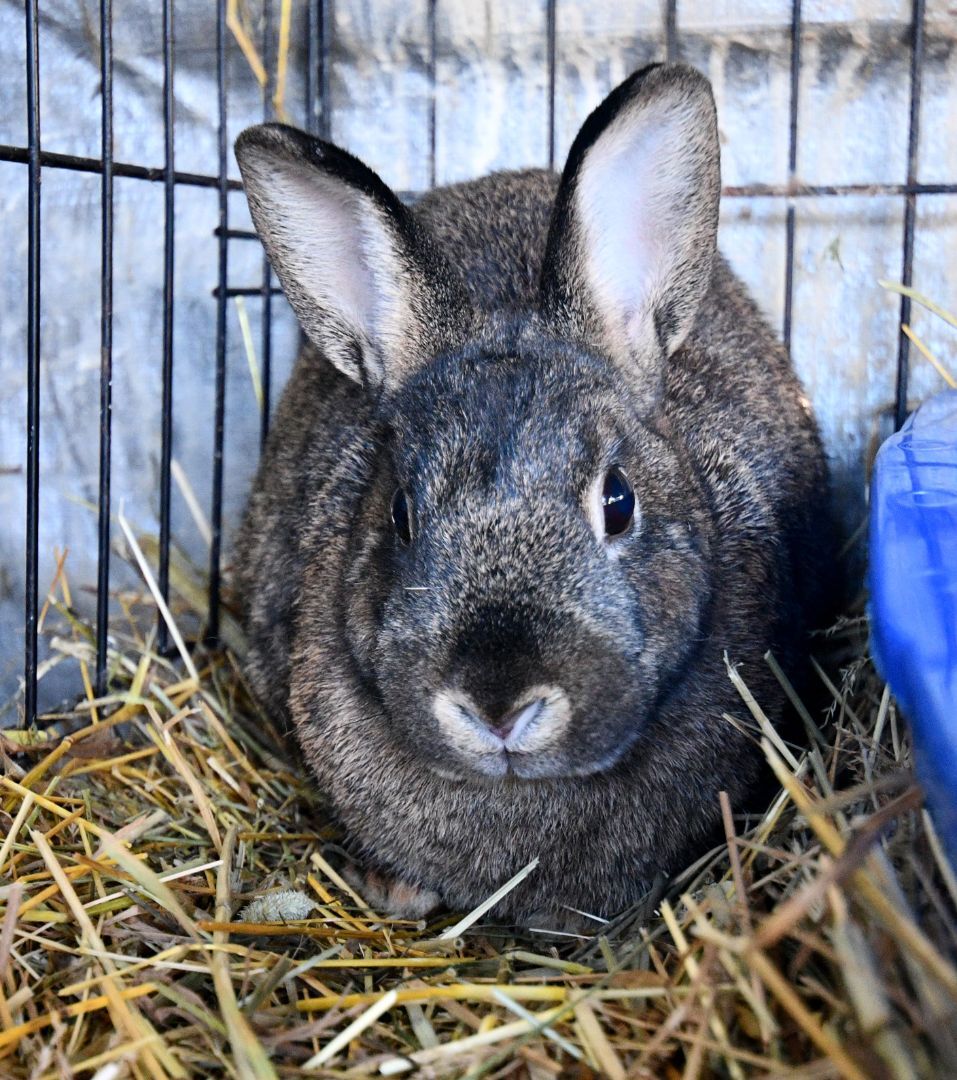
x=483 y=359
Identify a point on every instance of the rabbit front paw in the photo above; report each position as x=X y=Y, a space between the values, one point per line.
x=391 y=896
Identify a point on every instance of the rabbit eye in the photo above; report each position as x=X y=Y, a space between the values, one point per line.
x=618 y=502
x=401 y=518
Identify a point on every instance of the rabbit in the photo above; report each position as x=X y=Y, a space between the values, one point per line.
x=541 y=468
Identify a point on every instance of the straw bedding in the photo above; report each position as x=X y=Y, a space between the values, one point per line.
x=169 y=908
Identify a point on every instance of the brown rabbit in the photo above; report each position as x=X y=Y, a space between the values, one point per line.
x=542 y=466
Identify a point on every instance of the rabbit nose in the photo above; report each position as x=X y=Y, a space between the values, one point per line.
x=516 y=720
x=478 y=732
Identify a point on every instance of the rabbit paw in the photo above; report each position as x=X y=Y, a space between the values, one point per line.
x=391 y=896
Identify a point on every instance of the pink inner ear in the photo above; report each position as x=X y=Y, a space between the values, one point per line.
x=632 y=189
x=320 y=222
x=335 y=254
x=623 y=191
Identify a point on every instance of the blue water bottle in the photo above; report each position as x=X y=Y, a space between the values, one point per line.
x=913 y=593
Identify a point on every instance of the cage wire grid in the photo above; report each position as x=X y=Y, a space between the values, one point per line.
x=318 y=108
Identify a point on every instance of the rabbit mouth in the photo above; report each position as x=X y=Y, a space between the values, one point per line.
x=506 y=766
x=521 y=741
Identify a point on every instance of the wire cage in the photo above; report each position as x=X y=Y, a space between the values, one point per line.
x=314 y=27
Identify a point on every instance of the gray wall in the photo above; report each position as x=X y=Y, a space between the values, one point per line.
x=491 y=112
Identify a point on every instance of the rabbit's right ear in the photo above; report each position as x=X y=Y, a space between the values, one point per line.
x=369 y=288
x=632 y=239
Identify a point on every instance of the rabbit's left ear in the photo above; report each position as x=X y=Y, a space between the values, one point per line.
x=632 y=239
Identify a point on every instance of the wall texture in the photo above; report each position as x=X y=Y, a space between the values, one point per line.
x=491 y=111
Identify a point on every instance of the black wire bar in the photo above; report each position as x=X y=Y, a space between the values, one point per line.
x=910 y=206
x=32 y=539
x=671 y=30
x=313 y=25
x=324 y=72
x=219 y=406
x=73 y=163
x=433 y=42
x=792 y=168
x=169 y=257
x=106 y=344
x=551 y=36
x=266 y=289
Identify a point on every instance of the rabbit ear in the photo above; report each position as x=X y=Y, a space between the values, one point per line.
x=369 y=289
x=632 y=237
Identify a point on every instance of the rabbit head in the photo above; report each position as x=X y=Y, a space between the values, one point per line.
x=527 y=566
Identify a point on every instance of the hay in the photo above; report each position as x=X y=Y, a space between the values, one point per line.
x=817 y=941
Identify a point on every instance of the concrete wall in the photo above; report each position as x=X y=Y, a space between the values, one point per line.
x=491 y=112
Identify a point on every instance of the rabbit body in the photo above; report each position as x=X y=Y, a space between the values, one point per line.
x=394 y=644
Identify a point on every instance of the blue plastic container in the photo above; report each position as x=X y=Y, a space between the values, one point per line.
x=913 y=590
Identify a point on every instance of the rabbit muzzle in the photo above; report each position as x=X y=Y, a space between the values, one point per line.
x=506 y=743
